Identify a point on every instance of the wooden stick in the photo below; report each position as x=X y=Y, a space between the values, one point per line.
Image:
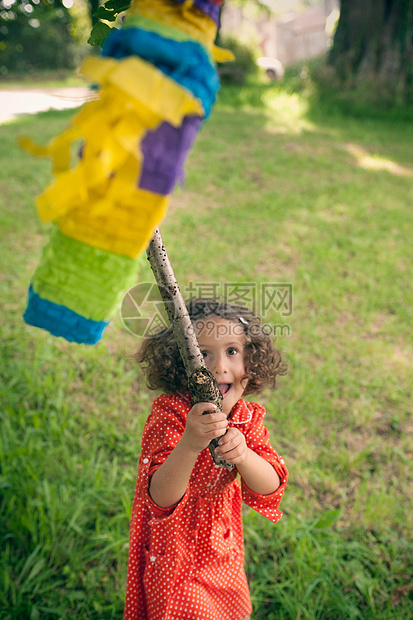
x=201 y=383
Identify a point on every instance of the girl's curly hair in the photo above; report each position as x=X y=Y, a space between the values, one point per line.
x=163 y=366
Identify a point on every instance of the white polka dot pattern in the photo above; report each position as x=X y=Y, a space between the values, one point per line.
x=186 y=561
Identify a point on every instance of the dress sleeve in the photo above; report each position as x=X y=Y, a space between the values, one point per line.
x=163 y=430
x=258 y=439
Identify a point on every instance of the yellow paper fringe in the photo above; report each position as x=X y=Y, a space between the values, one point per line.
x=184 y=17
x=128 y=234
x=98 y=202
x=221 y=54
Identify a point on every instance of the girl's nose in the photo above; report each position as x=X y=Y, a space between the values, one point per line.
x=219 y=365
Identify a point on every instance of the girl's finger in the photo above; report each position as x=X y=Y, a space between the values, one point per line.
x=216 y=433
x=230 y=455
x=213 y=418
x=229 y=440
x=201 y=408
x=219 y=428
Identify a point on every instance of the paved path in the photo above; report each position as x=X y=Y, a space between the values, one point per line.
x=30 y=101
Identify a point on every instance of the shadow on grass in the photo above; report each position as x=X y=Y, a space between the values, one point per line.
x=331 y=115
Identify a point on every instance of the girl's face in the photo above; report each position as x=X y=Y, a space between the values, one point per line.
x=222 y=345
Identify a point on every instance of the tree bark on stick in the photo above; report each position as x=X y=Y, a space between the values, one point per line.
x=201 y=383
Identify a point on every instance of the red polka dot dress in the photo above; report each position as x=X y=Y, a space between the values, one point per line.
x=187 y=562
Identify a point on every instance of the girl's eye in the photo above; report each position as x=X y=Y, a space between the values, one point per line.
x=232 y=351
x=204 y=353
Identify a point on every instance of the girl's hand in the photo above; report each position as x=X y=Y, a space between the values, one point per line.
x=232 y=447
x=200 y=429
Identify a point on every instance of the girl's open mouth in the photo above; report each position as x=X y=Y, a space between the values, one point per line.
x=224 y=388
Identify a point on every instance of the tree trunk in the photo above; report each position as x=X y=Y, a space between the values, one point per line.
x=373 y=46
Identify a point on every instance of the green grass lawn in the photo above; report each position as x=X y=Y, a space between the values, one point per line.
x=42 y=79
x=275 y=194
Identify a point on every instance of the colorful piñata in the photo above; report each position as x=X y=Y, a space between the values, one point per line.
x=157 y=83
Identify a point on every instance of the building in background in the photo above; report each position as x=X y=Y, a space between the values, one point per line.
x=288 y=37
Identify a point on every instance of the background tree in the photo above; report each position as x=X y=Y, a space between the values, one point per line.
x=41 y=34
x=373 y=49
x=93 y=7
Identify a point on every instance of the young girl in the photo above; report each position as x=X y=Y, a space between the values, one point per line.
x=186 y=549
